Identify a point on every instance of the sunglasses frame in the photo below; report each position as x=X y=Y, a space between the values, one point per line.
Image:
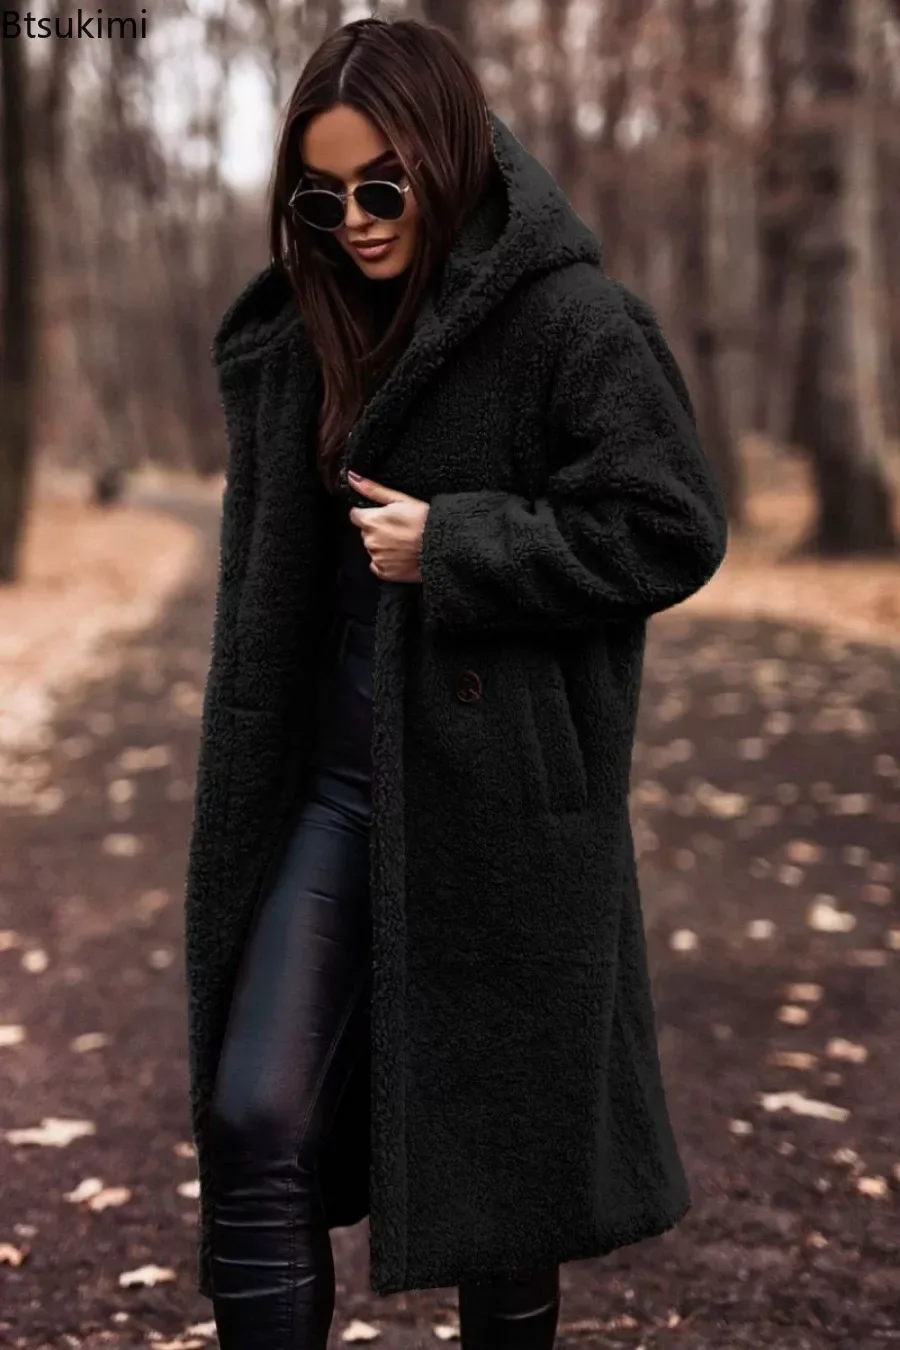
x=344 y=197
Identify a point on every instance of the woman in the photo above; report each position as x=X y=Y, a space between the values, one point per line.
x=463 y=473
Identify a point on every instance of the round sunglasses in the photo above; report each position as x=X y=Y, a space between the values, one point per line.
x=325 y=210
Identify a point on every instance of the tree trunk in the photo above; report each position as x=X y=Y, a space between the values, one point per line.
x=702 y=66
x=887 y=177
x=834 y=417
x=18 y=320
x=566 y=159
x=454 y=16
x=617 y=27
x=779 y=208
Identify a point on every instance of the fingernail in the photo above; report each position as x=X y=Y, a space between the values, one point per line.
x=351 y=474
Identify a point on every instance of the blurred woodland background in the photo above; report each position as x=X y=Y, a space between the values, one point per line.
x=740 y=160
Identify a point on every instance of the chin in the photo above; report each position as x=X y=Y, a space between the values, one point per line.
x=384 y=271
x=393 y=265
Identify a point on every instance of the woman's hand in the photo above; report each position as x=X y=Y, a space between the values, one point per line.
x=392 y=534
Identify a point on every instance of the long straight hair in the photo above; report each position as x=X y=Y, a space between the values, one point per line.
x=414 y=84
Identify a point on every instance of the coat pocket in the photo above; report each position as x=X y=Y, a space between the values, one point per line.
x=562 y=762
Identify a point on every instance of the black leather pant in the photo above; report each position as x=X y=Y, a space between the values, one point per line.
x=298 y=1022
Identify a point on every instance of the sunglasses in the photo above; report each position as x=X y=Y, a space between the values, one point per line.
x=325 y=210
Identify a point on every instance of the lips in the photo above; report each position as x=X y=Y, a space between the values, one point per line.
x=371 y=245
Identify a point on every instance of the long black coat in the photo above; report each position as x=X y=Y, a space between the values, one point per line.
x=512 y=1112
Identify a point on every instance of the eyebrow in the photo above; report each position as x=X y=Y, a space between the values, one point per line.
x=376 y=163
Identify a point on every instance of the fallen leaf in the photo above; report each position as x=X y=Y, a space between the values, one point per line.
x=10 y=1255
x=793 y=1016
x=853 y=804
x=874 y=1187
x=122 y=845
x=446 y=1331
x=13 y=1034
x=845 y=1157
x=722 y=805
x=803 y=993
x=360 y=1331
x=53 y=1132
x=112 y=1196
x=825 y=918
x=793 y=1059
x=35 y=961
x=179 y=1343
x=89 y=1040
x=84 y=1190
x=189 y=1189
x=683 y=940
x=150 y=904
x=146 y=1275
x=804 y=851
x=741 y=1127
x=137 y=759
x=759 y=929
x=801 y=1105
x=847 y=1050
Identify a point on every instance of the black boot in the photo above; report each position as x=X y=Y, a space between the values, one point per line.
x=510 y=1314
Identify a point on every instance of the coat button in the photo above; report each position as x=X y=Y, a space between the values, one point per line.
x=468 y=687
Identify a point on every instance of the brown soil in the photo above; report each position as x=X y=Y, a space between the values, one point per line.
x=767 y=776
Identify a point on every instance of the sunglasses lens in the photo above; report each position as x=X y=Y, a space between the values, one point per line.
x=384 y=201
x=323 y=210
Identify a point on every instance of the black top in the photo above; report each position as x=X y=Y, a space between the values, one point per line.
x=357 y=590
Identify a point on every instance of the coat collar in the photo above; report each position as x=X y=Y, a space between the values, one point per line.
x=522 y=227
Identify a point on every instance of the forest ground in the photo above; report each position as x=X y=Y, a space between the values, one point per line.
x=767 y=815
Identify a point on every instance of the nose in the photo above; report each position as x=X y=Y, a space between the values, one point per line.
x=355 y=215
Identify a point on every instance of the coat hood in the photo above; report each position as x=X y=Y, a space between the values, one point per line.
x=522 y=227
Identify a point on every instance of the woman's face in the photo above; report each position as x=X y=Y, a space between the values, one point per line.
x=341 y=149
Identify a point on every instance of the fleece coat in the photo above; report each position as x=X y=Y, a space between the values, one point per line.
x=511 y=1112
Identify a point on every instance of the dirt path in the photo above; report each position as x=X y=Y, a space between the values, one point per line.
x=763 y=780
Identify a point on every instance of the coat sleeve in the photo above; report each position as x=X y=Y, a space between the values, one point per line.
x=238 y=504
x=631 y=521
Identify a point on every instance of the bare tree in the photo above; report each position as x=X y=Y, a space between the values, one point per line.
x=18 y=320
x=708 y=46
x=780 y=208
x=617 y=30
x=831 y=419
x=453 y=15
x=566 y=157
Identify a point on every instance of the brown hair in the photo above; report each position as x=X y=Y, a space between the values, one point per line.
x=414 y=84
